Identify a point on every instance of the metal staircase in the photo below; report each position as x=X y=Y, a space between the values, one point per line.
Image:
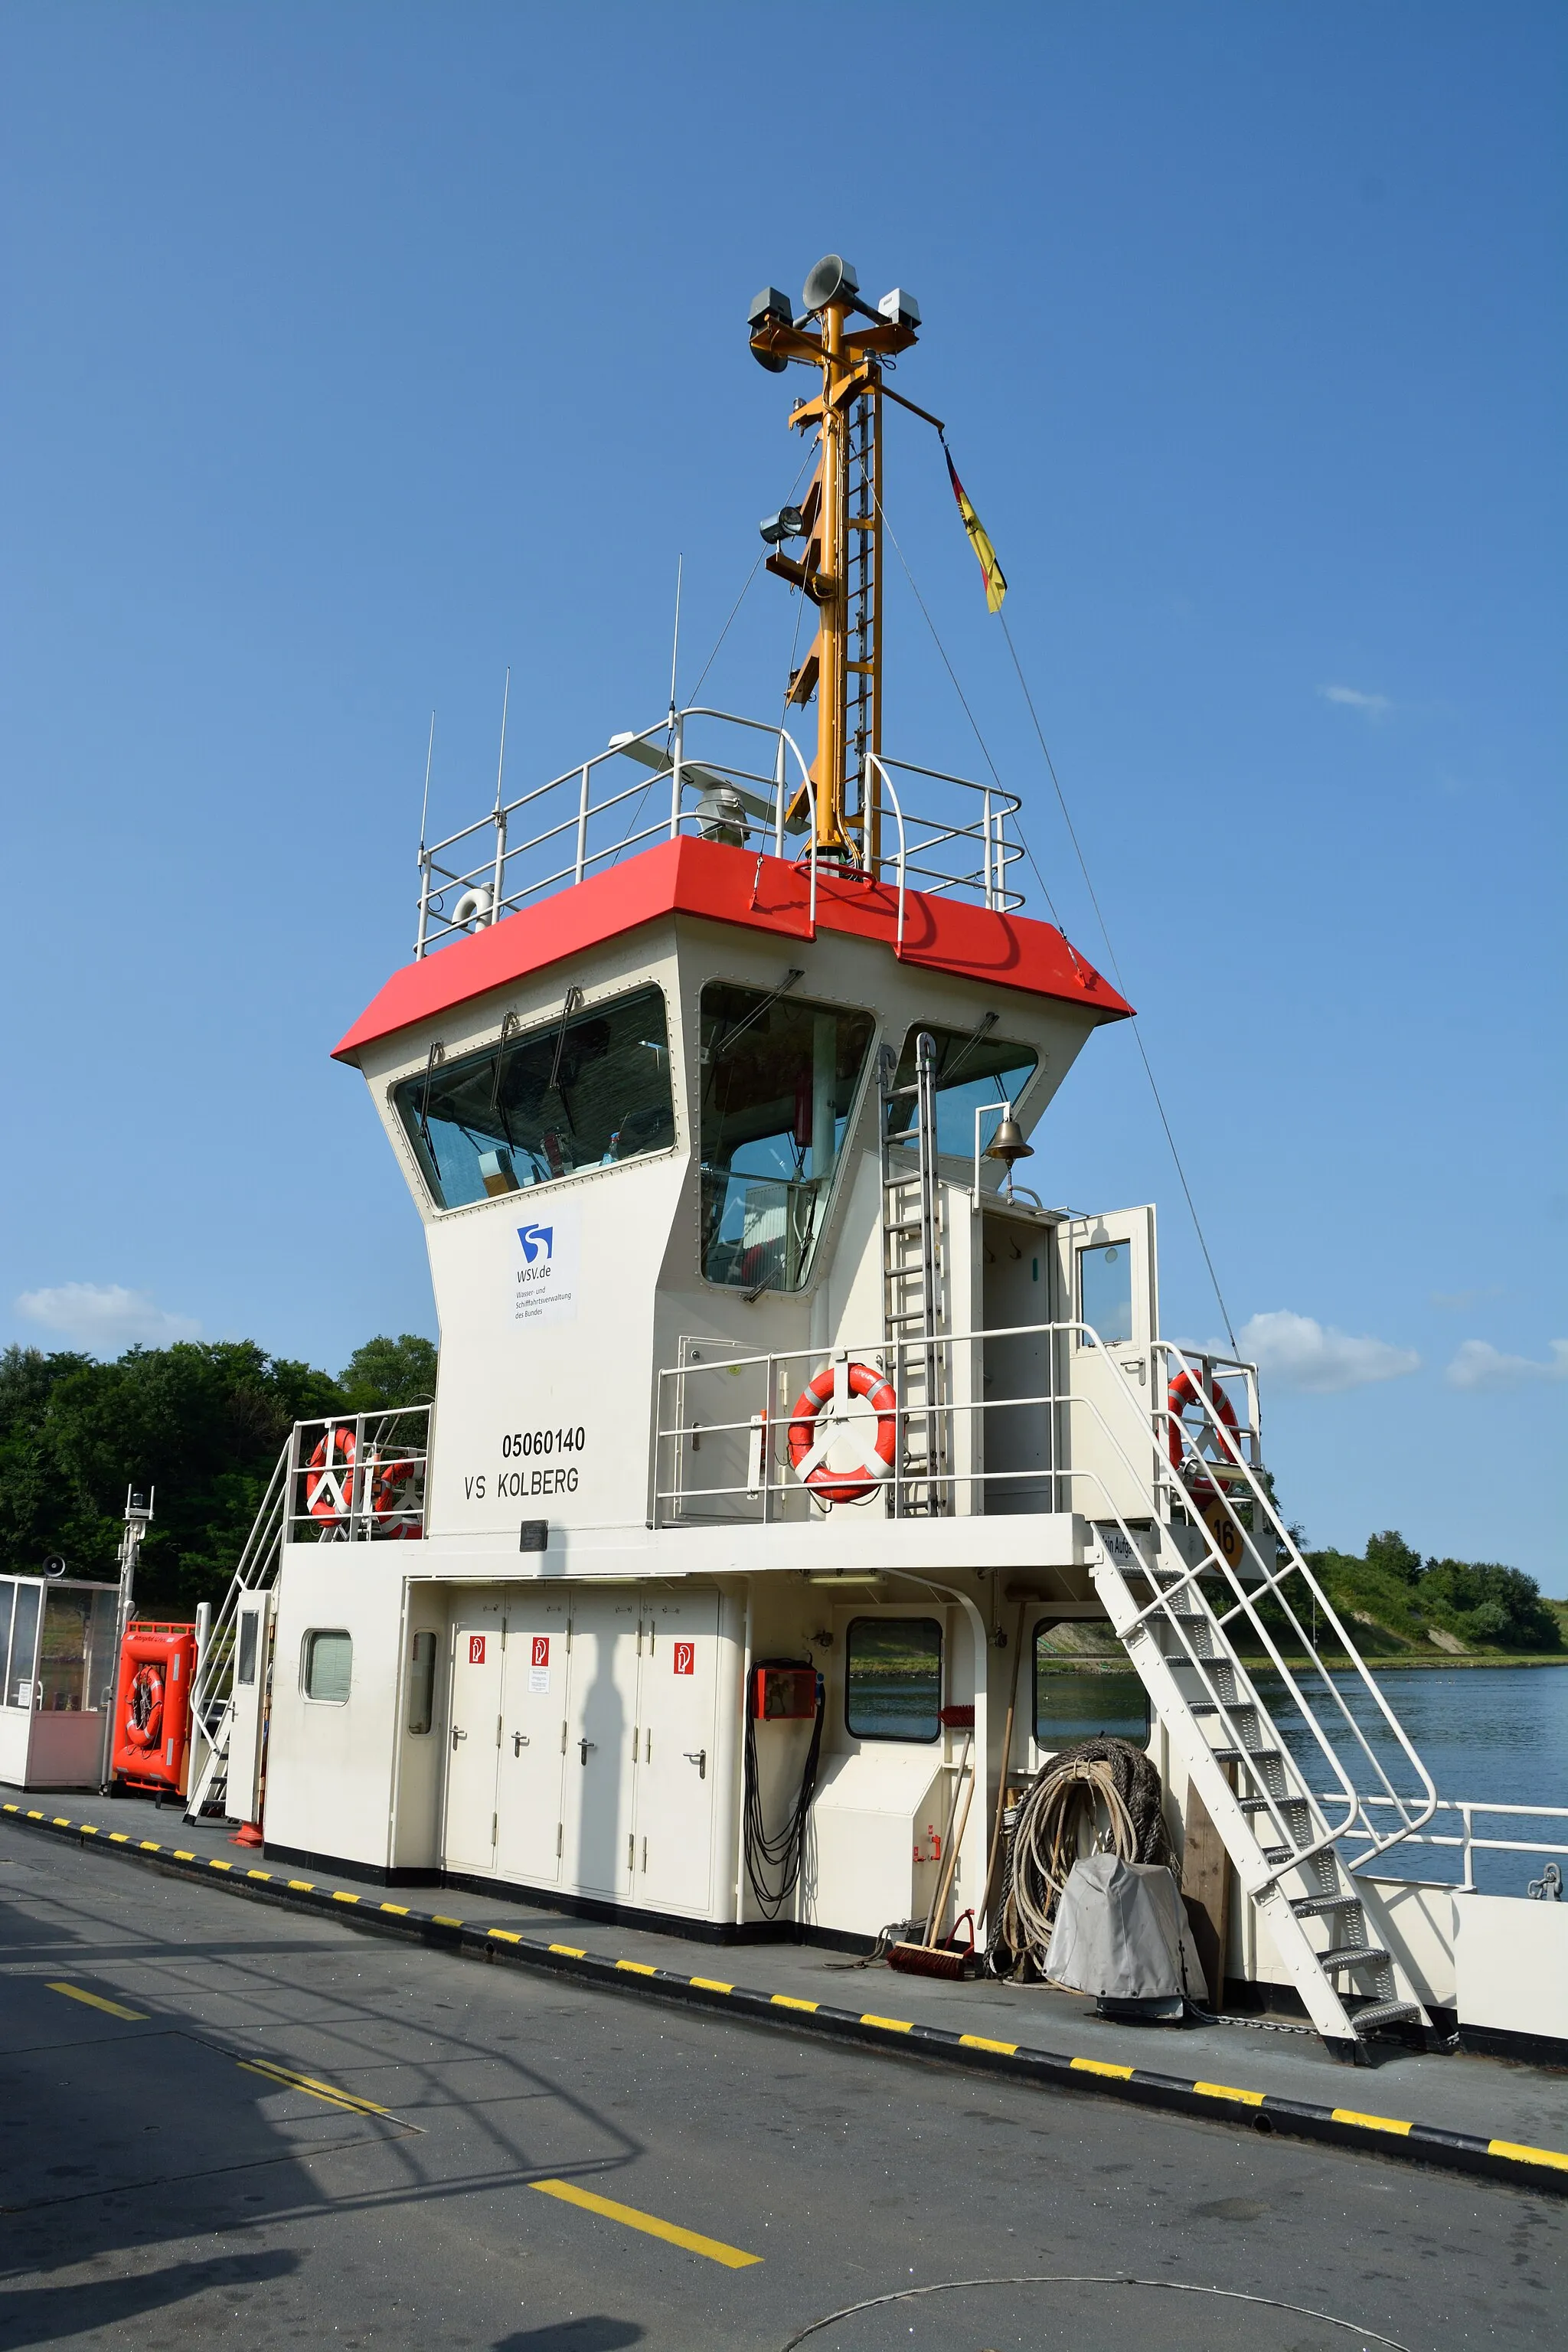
x=212 y=1698
x=912 y=1320
x=1178 y=1603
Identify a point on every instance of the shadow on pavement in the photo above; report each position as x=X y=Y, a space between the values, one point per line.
x=54 y=2314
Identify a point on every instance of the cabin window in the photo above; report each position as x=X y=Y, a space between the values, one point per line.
x=1084 y=1687
x=24 y=1645
x=422 y=1683
x=1105 y=1291
x=329 y=1665
x=7 y=1602
x=244 y=1668
x=779 y=1078
x=892 y=1678
x=75 y=1653
x=588 y=1091
x=971 y=1069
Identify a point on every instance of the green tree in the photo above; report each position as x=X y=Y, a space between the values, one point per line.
x=1390 y=1552
x=387 y=1372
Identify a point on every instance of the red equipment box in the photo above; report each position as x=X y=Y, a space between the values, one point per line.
x=784 y=1694
x=153 y=1706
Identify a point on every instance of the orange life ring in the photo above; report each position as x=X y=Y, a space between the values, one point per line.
x=1185 y=1390
x=324 y=1497
x=387 y=1495
x=805 y=1454
x=144 y=1721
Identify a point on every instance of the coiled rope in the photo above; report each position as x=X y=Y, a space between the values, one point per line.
x=1103 y=1796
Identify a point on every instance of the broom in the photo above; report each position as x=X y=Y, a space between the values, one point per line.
x=928 y=1958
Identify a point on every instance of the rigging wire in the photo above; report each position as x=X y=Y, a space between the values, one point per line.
x=1083 y=866
x=1110 y=953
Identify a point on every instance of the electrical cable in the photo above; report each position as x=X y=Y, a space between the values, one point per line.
x=776 y=1857
x=1104 y=1786
x=1091 y=2278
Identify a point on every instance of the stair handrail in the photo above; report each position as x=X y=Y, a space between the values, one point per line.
x=260 y=1546
x=1237 y=1472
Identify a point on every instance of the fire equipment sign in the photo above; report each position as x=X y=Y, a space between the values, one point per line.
x=476 y=1649
x=685 y=1657
x=541 y=1650
x=538 y=1664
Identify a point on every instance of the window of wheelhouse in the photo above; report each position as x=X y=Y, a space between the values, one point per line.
x=780 y=1078
x=588 y=1090
x=972 y=1067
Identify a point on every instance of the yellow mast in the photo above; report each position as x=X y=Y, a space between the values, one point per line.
x=841 y=522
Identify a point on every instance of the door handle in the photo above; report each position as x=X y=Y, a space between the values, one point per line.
x=457 y=1735
x=585 y=1745
x=519 y=1740
x=698 y=1755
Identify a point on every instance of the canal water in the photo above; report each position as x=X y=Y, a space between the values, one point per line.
x=1498 y=1733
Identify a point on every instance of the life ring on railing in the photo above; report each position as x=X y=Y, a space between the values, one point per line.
x=387 y=1498
x=1184 y=1391
x=332 y=1463
x=807 y=1451
x=144 y=1719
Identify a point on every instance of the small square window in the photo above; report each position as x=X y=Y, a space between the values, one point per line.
x=1105 y=1291
x=328 y=1666
x=422 y=1683
x=892 y=1673
x=245 y=1669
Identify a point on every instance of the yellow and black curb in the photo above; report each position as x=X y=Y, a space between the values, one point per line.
x=1538 y=2168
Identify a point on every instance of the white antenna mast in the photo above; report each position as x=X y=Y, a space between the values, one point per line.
x=674 y=648
x=425 y=803
x=501 y=763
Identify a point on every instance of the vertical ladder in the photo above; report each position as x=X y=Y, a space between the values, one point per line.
x=912 y=1318
x=863 y=731
x=212 y=1698
x=1272 y=1825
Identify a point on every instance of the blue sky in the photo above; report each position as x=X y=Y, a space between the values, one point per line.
x=355 y=352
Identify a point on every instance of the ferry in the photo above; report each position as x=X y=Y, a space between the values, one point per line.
x=800 y=1483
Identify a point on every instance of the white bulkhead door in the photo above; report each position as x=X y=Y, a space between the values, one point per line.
x=596 y=1798
x=247 y=1731
x=534 y=1705
x=474 y=1739
x=1109 y=1281
x=676 y=1762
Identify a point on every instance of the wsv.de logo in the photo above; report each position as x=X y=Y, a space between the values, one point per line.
x=537 y=1241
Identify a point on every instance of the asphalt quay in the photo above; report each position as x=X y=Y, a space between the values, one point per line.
x=1474 y=2112
x=264 y=2127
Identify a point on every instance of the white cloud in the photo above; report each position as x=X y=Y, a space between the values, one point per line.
x=1478 y=1365
x=1301 y=1353
x=104 y=1318
x=1351 y=698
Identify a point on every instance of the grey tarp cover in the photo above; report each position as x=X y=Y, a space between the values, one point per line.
x=1121 y=1932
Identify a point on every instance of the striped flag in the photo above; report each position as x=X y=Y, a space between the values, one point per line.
x=995 y=578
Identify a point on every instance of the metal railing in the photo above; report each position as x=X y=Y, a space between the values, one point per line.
x=359 y=1478
x=1086 y=1461
x=212 y=1688
x=710 y=783
x=1466 y=1844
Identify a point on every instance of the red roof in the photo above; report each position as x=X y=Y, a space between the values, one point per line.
x=733 y=885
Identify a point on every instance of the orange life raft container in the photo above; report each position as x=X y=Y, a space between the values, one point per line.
x=153 y=1706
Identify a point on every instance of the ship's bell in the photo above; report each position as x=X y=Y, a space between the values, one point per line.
x=1008 y=1144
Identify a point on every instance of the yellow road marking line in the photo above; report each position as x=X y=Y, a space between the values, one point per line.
x=96 y=2001
x=1228 y=2091
x=215 y=1865
x=338 y=1896
x=978 y=2042
x=401 y=1908
x=638 y=1968
x=258 y=1874
x=709 y=1984
x=570 y=1951
x=1369 y=2122
x=318 y=2090
x=150 y=1845
x=890 y=2025
x=119 y=1837
x=34 y=1814
x=59 y=1822
x=1099 y=2066
x=89 y=1829
x=1553 y=2156
x=181 y=1855
x=505 y=1936
x=303 y=1886
x=788 y=2001
x=715 y=2250
x=439 y=1920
